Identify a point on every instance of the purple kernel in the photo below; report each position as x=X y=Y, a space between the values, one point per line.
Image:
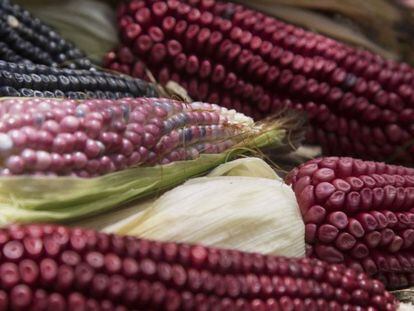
x=80 y=140
x=127 y=147
x=10 y=275
x=373 y=239
x=68 y=161
x=13 y=250
x=137 y=116
x=69 y=124
x=338 y=219
x=345 y=241
x=134 y=158
x=136 y=127
x=57 y=162
x=355 y=228
x=327 y=233
x=93 y=127
x=118 y=126
x=323 y=190
x=15 y=164
x=18 y=137
x=21 y=297
x=329 y=254
x=315 y=214
x=93 y=148
x=367 y=221
x=120 y=161
x=323 y=175
x=133 y=137
x=360 y=251
x=149 y=140
x=44 y=160
x=60 y=145
x=152 y=129
x=92 y=166
x=79 y=160
x=45 y=139
x=29 y=157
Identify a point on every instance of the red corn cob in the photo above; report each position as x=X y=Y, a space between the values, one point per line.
x=94 y=137
x=359 y=103
x=360 y=213
x=53 y=267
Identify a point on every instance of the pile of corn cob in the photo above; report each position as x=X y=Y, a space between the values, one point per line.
x=77 y=141
x=358 y=103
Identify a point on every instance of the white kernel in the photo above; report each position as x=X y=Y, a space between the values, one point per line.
x=6 y=143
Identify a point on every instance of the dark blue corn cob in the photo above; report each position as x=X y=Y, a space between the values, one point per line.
x=29 y=38
x=32 y=80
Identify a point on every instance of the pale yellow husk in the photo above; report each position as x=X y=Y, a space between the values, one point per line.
x=406 y=296
x=406 y=307
x=240 y=205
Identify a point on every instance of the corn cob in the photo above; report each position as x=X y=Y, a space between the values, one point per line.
x=27 y=37
x=94 y=137
x=359 y=103
x=32 y=80
x=360 y=213
x=46 y=267
x=8 y=54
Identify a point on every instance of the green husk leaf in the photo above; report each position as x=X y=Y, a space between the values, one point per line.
x=60 y=199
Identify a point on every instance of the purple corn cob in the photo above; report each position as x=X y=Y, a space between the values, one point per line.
x=57 y=268
x=94 y=137
x=360 y=213
x=358 y=103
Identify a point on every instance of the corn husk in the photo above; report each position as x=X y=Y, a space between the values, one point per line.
x=116 y=218
x=406 y=307
x=240 y=205
x=89 y=24
x=121 y=220
x=61 y=199
x=405 y=295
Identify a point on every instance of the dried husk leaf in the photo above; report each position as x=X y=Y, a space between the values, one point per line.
x=122 y=220
x=406 y=306
x=248 y=167
x=226 y=209
x=405 y=295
